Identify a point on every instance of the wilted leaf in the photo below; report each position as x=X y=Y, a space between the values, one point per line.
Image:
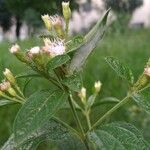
x=39 y=107
x=121 y=69
x=90 y=42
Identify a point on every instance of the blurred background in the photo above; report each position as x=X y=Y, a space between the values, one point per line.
x=127 y=38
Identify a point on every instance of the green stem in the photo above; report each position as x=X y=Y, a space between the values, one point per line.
x=12 y=99
x=76 y=116
x=121 y=103
x=19 y=91
x=78 y=122
x=67 y=29
x=88 y=120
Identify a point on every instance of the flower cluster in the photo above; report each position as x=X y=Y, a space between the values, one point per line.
x=54 y=46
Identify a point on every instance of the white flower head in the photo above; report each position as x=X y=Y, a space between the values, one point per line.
x=14 y=49
x=97 y=86
x=55 y=47
x=33 y=51
x=147 y=71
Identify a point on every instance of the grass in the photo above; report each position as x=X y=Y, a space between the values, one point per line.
x=133 y=48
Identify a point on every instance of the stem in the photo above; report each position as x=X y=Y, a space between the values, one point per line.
x=76 y=116
x=88 y=120
x=78 y=121
x=20 y=98
x=12 y=99
x=19 y=91
x=121 y=103
x=67 y=29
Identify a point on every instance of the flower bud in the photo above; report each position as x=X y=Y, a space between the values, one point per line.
x=82 y=95
x=4 y=86
x=47 y=22
x=66 y=10
x=35 y=51
x=9 y=76
x=58 y=25
x=97 y=86
x=15 y=49
x=12 y=92
x=147 y=71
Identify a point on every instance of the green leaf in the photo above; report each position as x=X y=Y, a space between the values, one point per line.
x=54 y=130
x=39 y=107
x=127 y=134
x=57 y=61
x=74 y=43
x=143 y=99
x=73 y=82
x=28 y=74
x=121 y=69
x=101 y=140
x=90 y=42
x=5 y=102
x=119 y=136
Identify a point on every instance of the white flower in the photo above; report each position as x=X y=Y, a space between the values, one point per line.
x=14 y=49
x=54 y=48
x=97 y=86
x=35 y=50
x=147 y=71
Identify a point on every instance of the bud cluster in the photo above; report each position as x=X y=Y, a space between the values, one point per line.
x=55 y=23
x=7 y=86
x=91 y=99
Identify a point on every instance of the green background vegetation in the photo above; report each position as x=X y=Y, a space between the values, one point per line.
x=132 y=47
